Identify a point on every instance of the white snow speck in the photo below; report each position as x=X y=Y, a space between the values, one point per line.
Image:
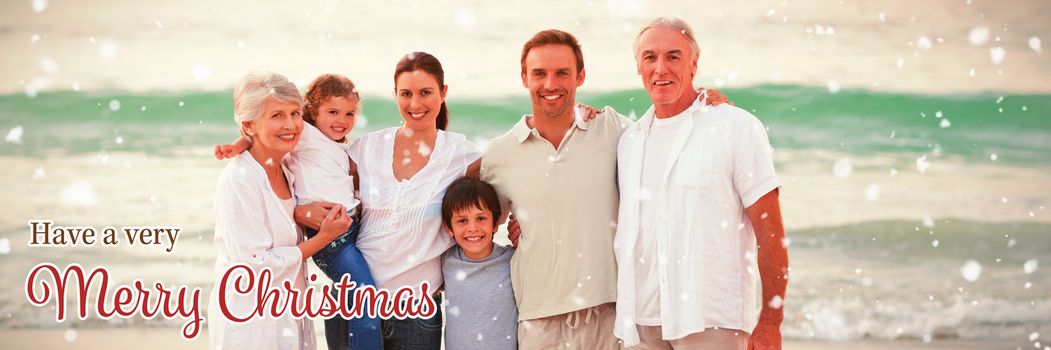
x=872 y=193
x=461 y=275
x=15 y=135
x=928 y=222
x=480 y=337
x=48 y=65
x=39 y=173
x=240 y=44
x=776 y=302
x=971 y=270
x=114 y=105
x=119 y=140
x=833 y=87
x=70 y=335
x=423 y=150
x=901 y=62
x=842 y=168
x=945 y=123
x=1034 y=336
x=108 y=50
x=38 y=7
x=978 y=36
x=922 y=164
x=934 y=243
x=997 y=54
x=924 y=42
x=202 y=72
x=993 y=156
x=1034 y=43
x=5 y=246
x=79 y=193
x=287 y=332
x=1030 y=266
x=454 y=311
x=466 y=19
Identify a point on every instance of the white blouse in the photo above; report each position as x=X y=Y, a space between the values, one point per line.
x=402 y=237
x=254 y=227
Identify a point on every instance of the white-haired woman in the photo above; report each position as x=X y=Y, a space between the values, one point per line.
x=253 y=224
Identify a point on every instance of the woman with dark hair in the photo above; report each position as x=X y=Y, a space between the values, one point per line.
x=403 y=172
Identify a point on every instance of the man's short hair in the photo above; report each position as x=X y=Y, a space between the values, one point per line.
x=670 y=22
x=553 y=37
x=466 y=193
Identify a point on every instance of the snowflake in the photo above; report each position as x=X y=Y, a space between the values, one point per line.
x=15 y=135
x=971 y=270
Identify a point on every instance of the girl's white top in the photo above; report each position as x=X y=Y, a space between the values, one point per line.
x=322 y=170
x=253 y=228
x=402 y=236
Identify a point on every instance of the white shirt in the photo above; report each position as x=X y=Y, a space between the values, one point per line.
x=655 y=159
x=705 y=249
x=402 y=237
x=322 y=169
x=252 y=227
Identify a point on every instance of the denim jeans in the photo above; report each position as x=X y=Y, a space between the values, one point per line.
x=336 y=259
x=414 y=333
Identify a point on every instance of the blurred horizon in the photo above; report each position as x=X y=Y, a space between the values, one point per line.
x=148 y=46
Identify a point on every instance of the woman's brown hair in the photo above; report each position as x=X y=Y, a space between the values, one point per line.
x=428 y=63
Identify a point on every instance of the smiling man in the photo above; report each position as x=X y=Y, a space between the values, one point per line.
x=557 y=174
x=699 y=209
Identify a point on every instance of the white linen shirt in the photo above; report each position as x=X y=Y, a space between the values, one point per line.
x=322 y=170
x=252 y=227
x=720 y=164
x=401 y=236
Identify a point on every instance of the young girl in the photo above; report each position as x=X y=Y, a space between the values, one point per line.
x=322 y=169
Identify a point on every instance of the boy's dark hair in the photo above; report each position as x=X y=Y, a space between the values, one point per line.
x=465 y=193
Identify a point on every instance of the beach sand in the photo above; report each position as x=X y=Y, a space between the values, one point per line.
x=168 y=338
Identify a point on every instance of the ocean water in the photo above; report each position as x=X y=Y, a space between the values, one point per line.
x=877 y=245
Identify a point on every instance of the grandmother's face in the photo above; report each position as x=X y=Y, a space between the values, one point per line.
x=277 y=130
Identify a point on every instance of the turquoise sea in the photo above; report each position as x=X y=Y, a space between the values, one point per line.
x=882 y=264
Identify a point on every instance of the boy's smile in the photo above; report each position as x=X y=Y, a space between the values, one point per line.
x=472 y=228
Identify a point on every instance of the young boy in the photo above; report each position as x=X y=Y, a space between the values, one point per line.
x=480 y=312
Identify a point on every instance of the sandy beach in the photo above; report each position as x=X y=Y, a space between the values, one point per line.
x=165 y=339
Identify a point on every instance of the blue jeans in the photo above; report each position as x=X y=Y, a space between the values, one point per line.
x=414 y=333
x=336 y=259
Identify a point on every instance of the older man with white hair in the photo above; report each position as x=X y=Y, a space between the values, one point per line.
x=700 y=222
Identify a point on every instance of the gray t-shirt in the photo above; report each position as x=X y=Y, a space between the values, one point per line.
x=480 y=310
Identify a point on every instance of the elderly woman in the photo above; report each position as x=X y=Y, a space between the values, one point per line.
x=254 y=225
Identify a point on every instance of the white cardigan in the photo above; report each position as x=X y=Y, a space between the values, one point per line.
x=252 y=227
